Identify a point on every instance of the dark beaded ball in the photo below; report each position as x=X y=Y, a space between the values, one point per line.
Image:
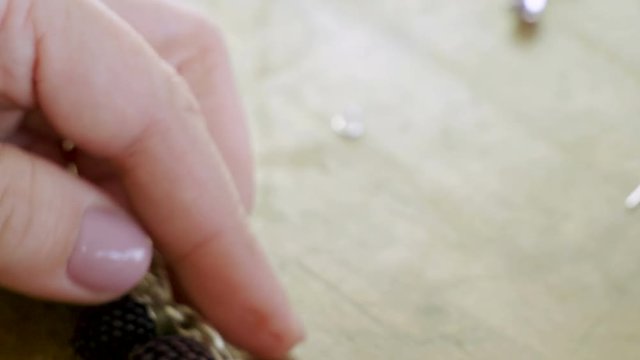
x=172 y=347
x=111 y=331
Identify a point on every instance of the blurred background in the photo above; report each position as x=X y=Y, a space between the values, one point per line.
x=481 y=213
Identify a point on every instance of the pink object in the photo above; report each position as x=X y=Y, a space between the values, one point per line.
x=112 y=253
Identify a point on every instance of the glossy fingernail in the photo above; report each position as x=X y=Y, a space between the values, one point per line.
x=112 y=252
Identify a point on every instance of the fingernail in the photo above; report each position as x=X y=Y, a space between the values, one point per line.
x=112 y=252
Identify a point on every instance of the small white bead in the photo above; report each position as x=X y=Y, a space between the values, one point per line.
x=633 y=200
x=349 y=124
x=531 y=11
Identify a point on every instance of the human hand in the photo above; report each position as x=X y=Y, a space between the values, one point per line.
x=143 y=87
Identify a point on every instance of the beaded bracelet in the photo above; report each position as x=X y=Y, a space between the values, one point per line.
x=147 y=324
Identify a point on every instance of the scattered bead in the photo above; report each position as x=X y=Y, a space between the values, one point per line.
x=633 y=200
x=530 y=11
x=349 y=124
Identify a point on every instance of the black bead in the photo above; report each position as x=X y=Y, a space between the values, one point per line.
x=172 y=347
x=111 y=331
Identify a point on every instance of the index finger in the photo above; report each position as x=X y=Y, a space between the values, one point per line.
x=104 y=88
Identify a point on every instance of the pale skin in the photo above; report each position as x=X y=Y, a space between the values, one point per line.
x=144 y=88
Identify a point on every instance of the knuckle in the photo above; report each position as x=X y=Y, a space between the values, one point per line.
x=18 y=53
x=202 y=24
x=213 y=237
x=212 y=35
x=208 y=38
x=16 y=197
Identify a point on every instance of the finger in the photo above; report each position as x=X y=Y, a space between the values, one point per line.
x=139 y=113
x=86 y=251
x=37 y=144
x=9 y=122
x=195 y=48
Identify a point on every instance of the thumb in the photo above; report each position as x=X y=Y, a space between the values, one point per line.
x=60 y=238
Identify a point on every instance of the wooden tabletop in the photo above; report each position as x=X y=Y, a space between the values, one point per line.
x=482 y=215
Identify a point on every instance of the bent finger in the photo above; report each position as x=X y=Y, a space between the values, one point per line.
x=60 y=238
x=121 y=101
x=196 y=49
